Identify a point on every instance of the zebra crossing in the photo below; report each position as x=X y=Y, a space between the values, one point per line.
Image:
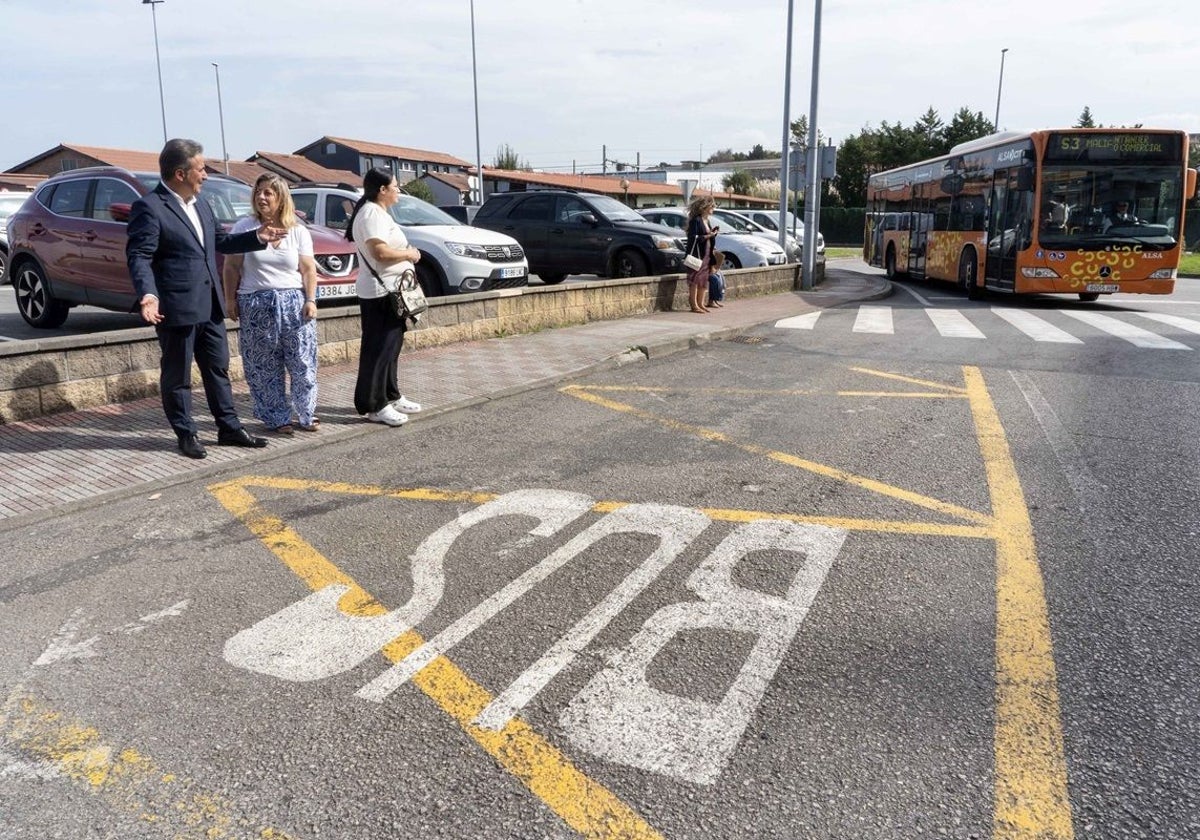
x=1056 y=326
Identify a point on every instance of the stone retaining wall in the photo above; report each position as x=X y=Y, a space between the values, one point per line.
x=52 y=375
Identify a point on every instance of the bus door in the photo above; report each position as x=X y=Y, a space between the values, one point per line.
x=920 y=220
x=1010 y=222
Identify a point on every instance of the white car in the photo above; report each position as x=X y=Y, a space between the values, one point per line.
x=735 y=220
x=454 y=257
x=10 y=202
x=769 y=219
x=741 y=249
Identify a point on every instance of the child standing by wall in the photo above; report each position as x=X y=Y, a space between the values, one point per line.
x=716 y=281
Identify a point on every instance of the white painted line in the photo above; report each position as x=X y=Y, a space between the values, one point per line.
x=1128 y=332
x=874 y=319
x=799 y=322
x=8 y=338
x=1036 y=328
x=921 y=300
x=953 y=324
x=1187 y=324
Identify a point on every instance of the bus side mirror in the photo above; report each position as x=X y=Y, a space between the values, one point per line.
x=1189 y=190
x=1025 y=178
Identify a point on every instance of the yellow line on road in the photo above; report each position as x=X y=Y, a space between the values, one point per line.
x=870 y=484
x=924 y=383
x=584 y=804
x=173 y=805
x=1031 y=798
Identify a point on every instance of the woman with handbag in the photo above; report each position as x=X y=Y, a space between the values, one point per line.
x=700 y=238
x=386 y=255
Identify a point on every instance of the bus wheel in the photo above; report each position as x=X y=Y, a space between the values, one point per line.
x=889 y=264
x=1089 y=297
x=967 y=270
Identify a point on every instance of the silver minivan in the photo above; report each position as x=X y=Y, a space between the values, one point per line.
x=455 y=258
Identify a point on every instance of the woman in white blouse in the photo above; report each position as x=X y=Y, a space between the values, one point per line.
x=273 y=293
x=385 y=253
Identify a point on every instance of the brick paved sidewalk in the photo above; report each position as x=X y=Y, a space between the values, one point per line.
x=56 y=463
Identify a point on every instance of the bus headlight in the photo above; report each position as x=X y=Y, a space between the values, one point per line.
x=1039 y=273
x=1163 y=274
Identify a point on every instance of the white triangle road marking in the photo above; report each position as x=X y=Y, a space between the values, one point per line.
x=799 y=322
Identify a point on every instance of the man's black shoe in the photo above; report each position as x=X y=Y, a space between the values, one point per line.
x=191 y=446
x=240 y=438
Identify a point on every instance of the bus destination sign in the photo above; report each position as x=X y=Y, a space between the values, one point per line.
x=1115 y=146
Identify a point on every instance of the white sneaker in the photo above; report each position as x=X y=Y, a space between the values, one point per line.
x=405 y=405
x=388 y=416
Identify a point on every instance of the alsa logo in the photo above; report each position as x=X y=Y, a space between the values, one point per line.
x=1010 y=155
x=1152 y=255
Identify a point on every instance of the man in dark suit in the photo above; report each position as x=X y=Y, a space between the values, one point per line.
x=172 y=247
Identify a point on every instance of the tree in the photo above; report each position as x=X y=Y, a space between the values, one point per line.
x=419 y=189
x=1085 y=119
x=929 y=134
x=739 y=181
x=507 y=158
x=966 y=126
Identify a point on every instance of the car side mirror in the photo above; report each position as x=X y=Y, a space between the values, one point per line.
x=588 y=219
x=120 y=212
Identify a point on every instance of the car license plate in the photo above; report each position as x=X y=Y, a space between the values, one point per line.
x=336 y=290
x=516 y=271
x=1102 y=287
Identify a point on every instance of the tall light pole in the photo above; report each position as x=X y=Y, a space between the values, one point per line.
x=221 y=113
x=812 y=193
x=785 y=162
x=1000 y=89
x=475 y=86
x=162 y=102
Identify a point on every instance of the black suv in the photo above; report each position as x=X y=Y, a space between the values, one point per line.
x=564 y=233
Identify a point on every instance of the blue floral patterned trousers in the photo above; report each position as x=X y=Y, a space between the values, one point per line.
x=278 y=344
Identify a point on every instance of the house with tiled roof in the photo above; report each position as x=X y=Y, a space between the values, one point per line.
x=296 y=169
x=624 y=186
x=358 y=156
x=448 y=187
x=66 y=156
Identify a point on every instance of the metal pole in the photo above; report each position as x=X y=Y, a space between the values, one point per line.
x=162 y=102
x=221 y=113
x=812 y=192
x=475 y=86
x=785 y=163
x=999 y=89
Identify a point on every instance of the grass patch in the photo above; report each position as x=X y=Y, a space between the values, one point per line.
x=830 y=253
x=1189 y=265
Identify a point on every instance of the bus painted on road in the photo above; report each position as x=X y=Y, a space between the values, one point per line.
x=1075 y=210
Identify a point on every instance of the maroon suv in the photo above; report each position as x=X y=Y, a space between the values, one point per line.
x=67 y=244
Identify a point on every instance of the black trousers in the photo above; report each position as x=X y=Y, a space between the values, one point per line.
x=208 y=345
x=382 y=338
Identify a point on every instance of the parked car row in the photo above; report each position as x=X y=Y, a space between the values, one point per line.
x=67 y=242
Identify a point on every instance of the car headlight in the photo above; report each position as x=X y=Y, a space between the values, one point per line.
x=760 y=248
x=465 y=249
x=663 y=243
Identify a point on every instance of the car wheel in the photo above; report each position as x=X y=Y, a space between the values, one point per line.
x=38 y=307
x=427 y=277
x=3 y=265
x=731 y=262
x=552 y=279
x=630 y=263
x=1089 y=297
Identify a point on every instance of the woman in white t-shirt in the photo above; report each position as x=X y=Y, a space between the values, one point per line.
x=273 y=293
x=385 y=252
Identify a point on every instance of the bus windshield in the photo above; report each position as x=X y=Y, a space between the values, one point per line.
x=1090 y=206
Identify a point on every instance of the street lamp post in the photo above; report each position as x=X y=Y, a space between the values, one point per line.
x=221 y=114
x=162 y=103
x=1000 y=89
x=625 y=187
x=475 y=86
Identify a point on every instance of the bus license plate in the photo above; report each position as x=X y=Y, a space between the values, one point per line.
x=517 y=271
x=336 y=290
x=1102 y=287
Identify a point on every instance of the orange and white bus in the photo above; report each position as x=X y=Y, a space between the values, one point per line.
x=1085 y=211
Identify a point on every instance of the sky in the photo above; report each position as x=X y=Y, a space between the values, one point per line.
x=562 y=82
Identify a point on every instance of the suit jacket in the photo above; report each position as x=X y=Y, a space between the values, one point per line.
x=167 y=260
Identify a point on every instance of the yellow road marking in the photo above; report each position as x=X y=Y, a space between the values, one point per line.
x=584 y=804
x=1031 y=798
x=924 y=383
x=834 y=473
x=173 y=804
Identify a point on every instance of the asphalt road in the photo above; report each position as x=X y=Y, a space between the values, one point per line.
x=814 y=582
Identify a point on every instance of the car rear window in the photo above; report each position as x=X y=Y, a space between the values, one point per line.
x=70 y=198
